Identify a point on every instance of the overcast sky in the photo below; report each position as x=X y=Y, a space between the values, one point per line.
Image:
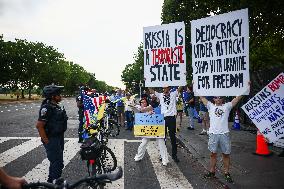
x=100 y=35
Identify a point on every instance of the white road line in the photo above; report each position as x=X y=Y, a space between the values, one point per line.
x=2 y=139
x=18 y=151
x=170 y=176
x=117 y=147
x=40 y=172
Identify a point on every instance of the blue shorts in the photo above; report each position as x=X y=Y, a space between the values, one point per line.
x=219 y=142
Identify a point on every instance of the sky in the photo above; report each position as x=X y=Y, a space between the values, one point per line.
x=100 y=35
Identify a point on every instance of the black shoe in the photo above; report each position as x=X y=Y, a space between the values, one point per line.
x=209 y=175
x=228 y=178
x=160 y=159
x=190 y=128
x=176 y=159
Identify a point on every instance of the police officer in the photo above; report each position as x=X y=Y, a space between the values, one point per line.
x=51 y=125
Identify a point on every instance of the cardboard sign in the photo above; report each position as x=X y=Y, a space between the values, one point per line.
x=266 y=109
x=164 y=55
x=149 y=125
x=220 y=54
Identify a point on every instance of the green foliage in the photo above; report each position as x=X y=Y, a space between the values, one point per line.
x=133 y=73
x=32 y=65
x=266 y=25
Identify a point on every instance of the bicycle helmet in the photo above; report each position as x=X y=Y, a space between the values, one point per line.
x=52 y=90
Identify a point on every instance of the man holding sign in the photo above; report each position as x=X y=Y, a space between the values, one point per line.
x=219 y=138
x=168 y=108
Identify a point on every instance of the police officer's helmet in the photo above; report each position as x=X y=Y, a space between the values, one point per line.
x=52 y=90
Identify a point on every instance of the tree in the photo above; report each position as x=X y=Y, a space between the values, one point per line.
x=266 y=25
x=134 y=73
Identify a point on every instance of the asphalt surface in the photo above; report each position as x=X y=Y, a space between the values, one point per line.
x=17 y=120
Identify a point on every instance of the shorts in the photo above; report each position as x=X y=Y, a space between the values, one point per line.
x=120 y=110
x=179 y=111
x=218 y=142
x=204 y=115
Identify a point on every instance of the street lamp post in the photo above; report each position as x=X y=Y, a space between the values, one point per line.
x=140 y=86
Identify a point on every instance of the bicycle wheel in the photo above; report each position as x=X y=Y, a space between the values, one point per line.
x=94 y=169
x=107 y=160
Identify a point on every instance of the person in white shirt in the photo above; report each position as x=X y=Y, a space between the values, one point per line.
x=146 y=108
x=168 y=102
x=219 y=138
x=128 y=111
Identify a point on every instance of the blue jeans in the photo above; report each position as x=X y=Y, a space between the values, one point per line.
x=190 y=111
x=129 y=119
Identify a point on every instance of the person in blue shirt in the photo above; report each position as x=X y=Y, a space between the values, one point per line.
x=119 y=106
x=190 y=106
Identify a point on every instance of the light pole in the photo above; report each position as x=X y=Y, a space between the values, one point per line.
x=140 y=86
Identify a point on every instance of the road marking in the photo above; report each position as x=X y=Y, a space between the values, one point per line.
x=18 y=151
x=117 y=147
x=40 y=172
x=168 y=176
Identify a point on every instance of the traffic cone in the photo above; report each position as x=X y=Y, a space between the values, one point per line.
x=261 y=146
x=237 y=125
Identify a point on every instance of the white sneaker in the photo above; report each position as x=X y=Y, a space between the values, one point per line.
x=164 y=163
x=203 y=132
x=136 y=159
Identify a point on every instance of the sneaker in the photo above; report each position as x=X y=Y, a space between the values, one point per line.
x=190 y=128
x=204 y=132
x=209 y=175
x=136 y=159
x=228 y=178
x=164 y=164
x=160 y=159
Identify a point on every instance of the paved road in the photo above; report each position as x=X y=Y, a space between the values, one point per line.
x=22 y=154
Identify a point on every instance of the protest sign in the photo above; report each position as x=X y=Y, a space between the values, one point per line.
x=266 y=109
x=149 y=125
x=220 y=54
x=164 y=55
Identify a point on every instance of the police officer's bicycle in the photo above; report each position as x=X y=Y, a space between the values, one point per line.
x=88 y=182
x=100 y=159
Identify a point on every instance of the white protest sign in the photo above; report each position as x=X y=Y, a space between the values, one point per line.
x=266 y=109
x=164 y=55
x=220 y=54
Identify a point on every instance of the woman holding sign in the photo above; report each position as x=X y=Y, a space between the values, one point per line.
x=146 y=108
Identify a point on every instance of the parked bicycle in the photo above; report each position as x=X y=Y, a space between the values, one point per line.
x=111 y=119
x=100 y=159
x=92 y=182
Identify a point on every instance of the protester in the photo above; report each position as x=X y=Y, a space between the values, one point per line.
x=179 y=106
x=146 y=108
x=51 y=125
x=168 y=108
x=129 y=103
x=219 y=138
x=190 y=106
x=119 y=106
x=11 y=182
x=155 y=104
x=204 y=116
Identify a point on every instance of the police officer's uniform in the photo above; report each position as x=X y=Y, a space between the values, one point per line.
x=56 y=124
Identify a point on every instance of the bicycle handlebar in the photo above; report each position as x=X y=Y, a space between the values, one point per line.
x=103 y=178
